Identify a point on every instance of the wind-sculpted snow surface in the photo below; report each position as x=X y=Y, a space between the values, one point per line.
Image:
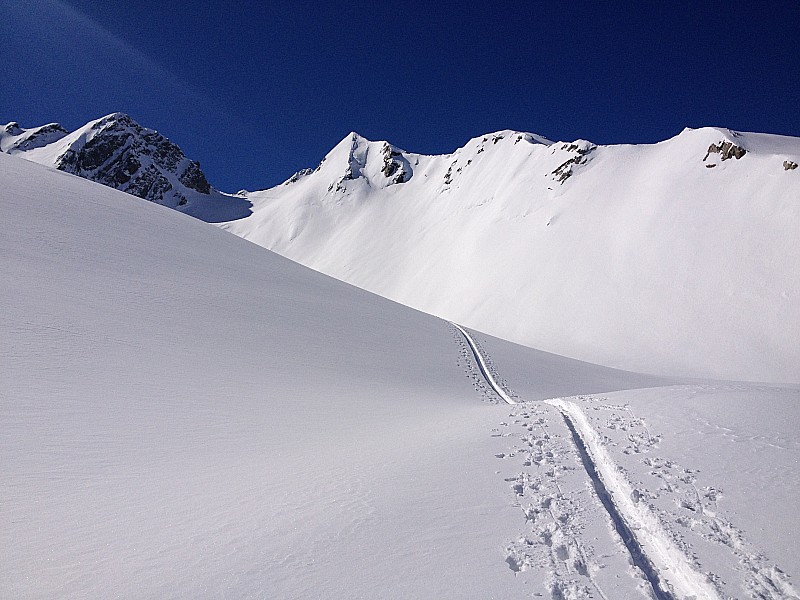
x=673 y=258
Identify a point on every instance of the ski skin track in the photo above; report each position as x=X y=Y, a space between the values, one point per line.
x=646 y=531
x=638 y=556
x=483 y=367
x=634 y=523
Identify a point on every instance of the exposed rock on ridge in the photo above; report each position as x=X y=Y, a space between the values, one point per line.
x=117 y=152
x=580 y=151
x=726 y=150
x=120 y=153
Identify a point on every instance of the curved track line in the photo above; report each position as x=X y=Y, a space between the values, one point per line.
x=482 y=365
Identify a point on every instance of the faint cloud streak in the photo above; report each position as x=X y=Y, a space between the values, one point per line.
x=126 y=50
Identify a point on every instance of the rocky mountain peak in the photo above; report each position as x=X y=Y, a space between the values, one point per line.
x=116 y=151
x=355 y=158
x=13 y=128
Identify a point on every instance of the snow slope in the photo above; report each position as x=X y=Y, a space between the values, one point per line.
x=700 y=480
x=674 y=258
x=184 y=414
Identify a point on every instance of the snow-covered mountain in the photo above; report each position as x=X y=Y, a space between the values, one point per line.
x=118 y=152
x=186 y=415
x=675 y=258
x=671 y=258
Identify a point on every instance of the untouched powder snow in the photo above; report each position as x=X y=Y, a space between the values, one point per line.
x=673 y=258
x=186 y=415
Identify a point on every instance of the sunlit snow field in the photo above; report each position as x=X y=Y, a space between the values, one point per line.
x=184 y=414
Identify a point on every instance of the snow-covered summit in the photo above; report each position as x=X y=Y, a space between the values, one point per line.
x=727 y=143
x=380 y=164
x=14 y=139
x=507 y=136
x=375 y=164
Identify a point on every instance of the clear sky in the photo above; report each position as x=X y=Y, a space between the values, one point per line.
x=258 y=90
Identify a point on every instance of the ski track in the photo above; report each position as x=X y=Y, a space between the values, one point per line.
x=638 y=556
x=649 y=545
x=697 y=513
x=482 y=365
x=555 y=517
x=551 y=496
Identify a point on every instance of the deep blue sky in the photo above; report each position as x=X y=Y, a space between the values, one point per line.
x=258 y=90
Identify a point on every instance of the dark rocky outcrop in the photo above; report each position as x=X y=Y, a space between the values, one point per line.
x=120 y=153
x=581 y=153
x=300 y=174
x=726 y=150
x=394 y=165
x=194 y=179
x=448 y=177
x=789 y=165
x=150 y=184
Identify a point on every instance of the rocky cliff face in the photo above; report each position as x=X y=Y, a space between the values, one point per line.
x=120 y=153
x=117 y=152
